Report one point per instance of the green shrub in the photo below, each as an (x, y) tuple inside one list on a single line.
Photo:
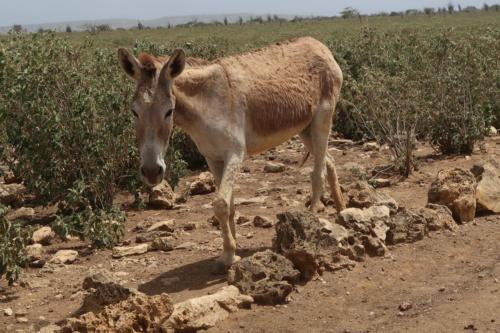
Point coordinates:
[(67, 116), (463, 90), (440, 86), (13, 240)]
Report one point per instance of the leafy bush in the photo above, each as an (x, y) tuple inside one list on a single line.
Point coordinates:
[(398, 86), (464, 90), (66, 110), (69, 134), (382, 94), (13, 241)]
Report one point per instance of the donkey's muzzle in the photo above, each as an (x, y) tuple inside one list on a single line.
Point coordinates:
[(152, 174)]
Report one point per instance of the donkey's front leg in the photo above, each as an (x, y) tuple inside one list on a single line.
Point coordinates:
[(223, 210)]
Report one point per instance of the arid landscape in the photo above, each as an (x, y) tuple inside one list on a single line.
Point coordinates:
[(446, 282), (111, 221)]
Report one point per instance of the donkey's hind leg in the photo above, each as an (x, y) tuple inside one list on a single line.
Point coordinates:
[(315, 138), (333, 180)]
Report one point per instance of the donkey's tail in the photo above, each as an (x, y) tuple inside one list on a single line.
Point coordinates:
[(304, 159)]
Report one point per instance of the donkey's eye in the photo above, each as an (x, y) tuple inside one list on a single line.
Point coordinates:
[(169, 113), (134, 113)]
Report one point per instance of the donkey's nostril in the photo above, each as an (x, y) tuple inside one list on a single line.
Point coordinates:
[(160, 170)]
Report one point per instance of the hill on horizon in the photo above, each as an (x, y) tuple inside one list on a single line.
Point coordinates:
[(130, 23)]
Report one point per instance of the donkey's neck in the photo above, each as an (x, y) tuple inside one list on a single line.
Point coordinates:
[(191, 90)]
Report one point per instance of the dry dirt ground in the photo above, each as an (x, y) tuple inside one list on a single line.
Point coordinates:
[(451, 279)]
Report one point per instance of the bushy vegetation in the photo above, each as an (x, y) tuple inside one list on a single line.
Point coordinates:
[(436, 86), (67, 131), (13, 241)]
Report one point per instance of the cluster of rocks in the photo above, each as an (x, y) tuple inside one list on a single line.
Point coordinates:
[(36, 252), (305, 245), (163, 197), (111, 307)]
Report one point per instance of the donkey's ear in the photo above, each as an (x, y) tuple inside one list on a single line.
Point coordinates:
[(174, 66), (129, 63)]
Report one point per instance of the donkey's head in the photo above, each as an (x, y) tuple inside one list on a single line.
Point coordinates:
[(153, 107)]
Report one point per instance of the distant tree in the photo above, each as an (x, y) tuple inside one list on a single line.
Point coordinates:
[(68, 29), (470, 9), (94, 29), (429, 11), (240, 20), (169, 25), (17, 28), (349, 12), (225, 21), (412, 12), (486, 7), (276, 18), (451, 8), (495, 7), (459, 8), (258, 19), (269, 18), (140, 26)]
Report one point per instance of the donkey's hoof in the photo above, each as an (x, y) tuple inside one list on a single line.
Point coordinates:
[(223, 263)]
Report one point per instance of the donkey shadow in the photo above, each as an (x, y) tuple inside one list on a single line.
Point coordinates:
[(193, 276)]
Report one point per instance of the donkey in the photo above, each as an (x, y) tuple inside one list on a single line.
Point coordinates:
[(237, 106)]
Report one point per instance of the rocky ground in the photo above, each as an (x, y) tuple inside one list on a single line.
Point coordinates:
[(445, 280)]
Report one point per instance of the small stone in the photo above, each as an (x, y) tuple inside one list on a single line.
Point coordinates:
[(51, 328), (266, 276), (381, 182), (456, 189), (272, 167), (405, 306), (204, 184), (250, 201), (213, 221), (262, 222), (8, 312), (44, 235), (242, 219), (493, 131), (206, 311), (162, 244), (151, 236), (37, 263), (185, 246), (34, 252), (21, 313), (22, 320), (162, 226), (371, 146), (64, 257), (162, 196), (190, 226), (125, 251), (23, 213)]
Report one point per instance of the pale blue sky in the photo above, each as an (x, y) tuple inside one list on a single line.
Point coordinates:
[(44, 11)]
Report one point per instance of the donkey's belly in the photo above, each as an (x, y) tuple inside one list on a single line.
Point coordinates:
[(257, 143)]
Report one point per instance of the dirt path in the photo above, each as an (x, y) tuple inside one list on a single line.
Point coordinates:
[(451, 279)]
